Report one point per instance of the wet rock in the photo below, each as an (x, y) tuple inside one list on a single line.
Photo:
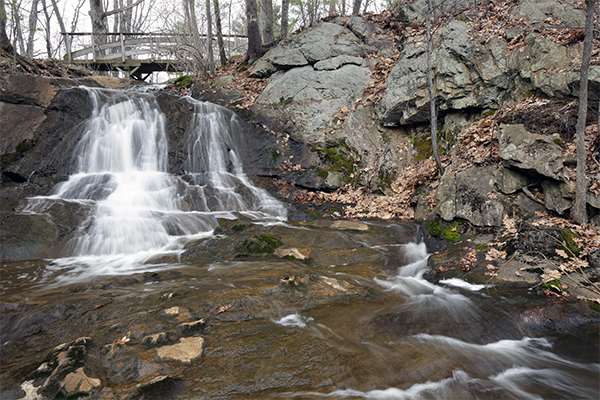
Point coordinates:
[(160, 339), (514, 272), (185, 351), (79, 383), (191, 328), (535, 318), (530, 152), (287, 251), (158, 388)]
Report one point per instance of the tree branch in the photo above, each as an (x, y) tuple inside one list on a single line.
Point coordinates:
[(119, 10)]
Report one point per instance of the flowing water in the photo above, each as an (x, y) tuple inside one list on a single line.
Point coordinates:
[(416, 340)]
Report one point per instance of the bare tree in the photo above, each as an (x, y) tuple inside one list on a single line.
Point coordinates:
[(254, 42), (266, 21), (211, 58), (47, 29), (431, 89), (222, 55), (33, 18), (579, 211), (4, 41), (99, 18), (356, 7), (331, 7), (190, 18), (285, 10)]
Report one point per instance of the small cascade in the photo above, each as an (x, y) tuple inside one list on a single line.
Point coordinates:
[(140, 210)]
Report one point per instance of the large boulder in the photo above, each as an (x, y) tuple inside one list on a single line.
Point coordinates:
[(312, 98), (470, 195), (530, 152), (320, 42)]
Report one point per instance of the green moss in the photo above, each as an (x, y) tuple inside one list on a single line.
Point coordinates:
[(450, 233), (434, 228), (594, 306), (481, 246), (322, 173), (316, 214), (275, 156), (183, 81), (240, 227), (260, 244), (569, 244), (423, 146), (489, 113), (338, 159), (552, 285), (559, 142), (385, 179)]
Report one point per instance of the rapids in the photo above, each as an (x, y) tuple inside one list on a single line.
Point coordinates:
[(355, 319)]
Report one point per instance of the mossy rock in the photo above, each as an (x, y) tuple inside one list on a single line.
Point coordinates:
[(450, 233), (570, 247), (259, 245), (184, 81), (433, 227)]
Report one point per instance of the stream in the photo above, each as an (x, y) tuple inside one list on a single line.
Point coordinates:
[(290, 309)]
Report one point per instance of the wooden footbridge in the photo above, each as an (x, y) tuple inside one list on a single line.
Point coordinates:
[(137, 55)]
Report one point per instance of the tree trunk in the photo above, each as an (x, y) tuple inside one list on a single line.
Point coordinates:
[(343, 8), (33, 18), (190, 17), (285, 10), (58, 16), (222, 55), (254, 42), (331, 7), (266, 21), (211, 57), (47, 38), (4, 41), (431, 89), (356, 7), (99, 28), (579, 210)]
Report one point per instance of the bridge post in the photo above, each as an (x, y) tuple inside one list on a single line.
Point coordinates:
[(68, 46), (122, 48), (93, 48)]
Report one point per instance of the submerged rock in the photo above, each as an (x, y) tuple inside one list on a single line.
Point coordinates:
[(185, 350)]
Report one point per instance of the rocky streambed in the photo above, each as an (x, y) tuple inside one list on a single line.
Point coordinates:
[(288, 310)]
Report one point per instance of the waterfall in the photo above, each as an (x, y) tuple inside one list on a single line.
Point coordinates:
[(140, 209)]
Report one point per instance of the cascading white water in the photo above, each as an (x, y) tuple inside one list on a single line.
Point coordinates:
[(140, 209)]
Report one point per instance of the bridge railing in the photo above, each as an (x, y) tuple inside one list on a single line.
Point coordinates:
[(120, 46)]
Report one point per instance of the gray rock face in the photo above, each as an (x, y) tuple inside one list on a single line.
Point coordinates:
[(540, 11), (466, 195), (556, 196), (416, 13), (322, 41), (530, 152), (262, 69), (470, 74), (316, 96)]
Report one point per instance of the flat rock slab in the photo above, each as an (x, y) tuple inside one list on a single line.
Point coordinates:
[(79, 382), (185, 351)]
